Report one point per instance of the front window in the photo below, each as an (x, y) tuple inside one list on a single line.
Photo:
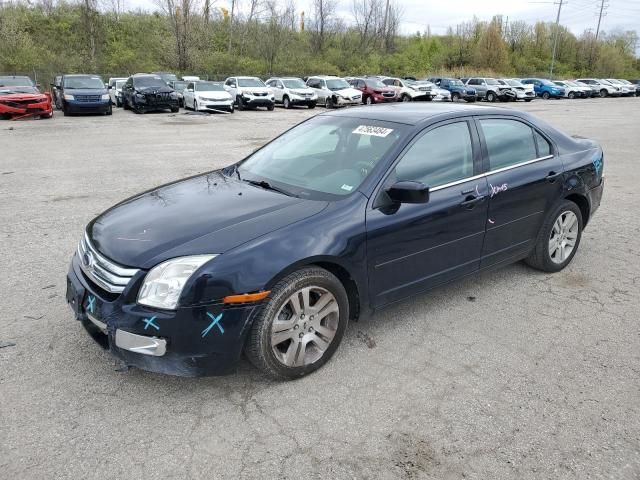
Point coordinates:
[(15, 81), (119, 84), (209, 87), (85, 82), (7, 90), (373, 83), (337, 84), (179, 86), (250, 82), (294, 83), (492, 81), (323, 158), (149, 81), (455, 83), (514, 83)]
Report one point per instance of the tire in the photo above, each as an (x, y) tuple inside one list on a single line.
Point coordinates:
[(271, 107), (175, 109), (406, 97), (239, 102), (109, 110), (540, 257), (65, 111), (328, 103), (47, 115), (571, 95), (528, 99), (231, 108), (195, 105), (545, 95), (311, 106), (125, 104), (369, 100), (118, 103), (286, 103), (491, 97), (455, 97), (282, 360), (604, 93)]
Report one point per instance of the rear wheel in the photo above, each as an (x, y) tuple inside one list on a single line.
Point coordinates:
[(558, 239), (300, 325), (175, 109)]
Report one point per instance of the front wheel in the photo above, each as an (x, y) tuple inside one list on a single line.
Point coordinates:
[(286, 103), (175, 109), (455, 97), (546, 95), (369, 100), (271, 107), (406, 97), (300, 325), (558, 239), (109, 110), (572, 95), (311, 106), (239, 102), (491, 97), (604, 92), (329, 103)]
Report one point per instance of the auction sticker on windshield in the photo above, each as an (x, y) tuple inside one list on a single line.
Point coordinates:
[(371, 130)]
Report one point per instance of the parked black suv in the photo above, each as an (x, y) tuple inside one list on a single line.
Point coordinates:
[(144, 92)]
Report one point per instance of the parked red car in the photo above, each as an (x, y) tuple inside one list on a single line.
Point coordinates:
[(20, 101), (373, 90)]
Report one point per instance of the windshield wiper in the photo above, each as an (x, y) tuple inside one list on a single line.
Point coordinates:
[(267, 186)]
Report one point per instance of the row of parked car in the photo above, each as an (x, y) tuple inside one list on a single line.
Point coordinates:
[(144, 92)]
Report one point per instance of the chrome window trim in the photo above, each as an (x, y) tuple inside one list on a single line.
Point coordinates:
[(490, 172)]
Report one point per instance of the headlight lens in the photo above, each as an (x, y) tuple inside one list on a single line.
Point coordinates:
[(164, 283), (68, 97), (105, 96)]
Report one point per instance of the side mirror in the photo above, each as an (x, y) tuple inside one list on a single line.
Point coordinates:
[(408, 192)]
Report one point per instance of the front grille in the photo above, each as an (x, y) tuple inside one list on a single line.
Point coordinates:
[(356, 97), (88, 98), (106, 274), (158, 98), (388, 94), (259, 94)]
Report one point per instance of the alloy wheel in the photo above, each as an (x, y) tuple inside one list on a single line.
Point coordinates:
[(564, 235), (305, 326)]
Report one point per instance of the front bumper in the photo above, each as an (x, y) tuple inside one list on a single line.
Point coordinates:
[(190, 341), (251, 101), (383, 99), (341, 101), (74, 106), (215, 104), (296, 100), (25, 109)]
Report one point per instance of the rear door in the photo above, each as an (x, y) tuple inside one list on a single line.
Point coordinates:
[(524, 175), (414, 247)]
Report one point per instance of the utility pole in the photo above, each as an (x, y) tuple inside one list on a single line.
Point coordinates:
[(555, 41), (599, 19)]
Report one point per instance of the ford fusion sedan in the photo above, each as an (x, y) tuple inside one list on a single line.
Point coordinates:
[(341, 215), (334, 92), (207, 96), (292, 91), (249, 92), (145, 92)]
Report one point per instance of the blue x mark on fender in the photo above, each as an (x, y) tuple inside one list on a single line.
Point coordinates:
[(214, 321), (91, 303), (149, 321)]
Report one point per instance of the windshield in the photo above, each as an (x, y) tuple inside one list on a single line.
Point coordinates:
[(337, 84), (323, 158), (119, 84), (18, 89), (375, 83), (209, 87), (410, 82), (149, 81), (87, 82), (15, 81), (603, 81), (455, 83), (166, 77), (492, 81), (179, 86), (514, 83), (250, 82), (294, 83)]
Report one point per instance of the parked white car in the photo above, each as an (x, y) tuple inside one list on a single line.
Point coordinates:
[(408, 90), (190, 78), (115, 90), (573, 90), (291, 91), (437, 94), (625, 90), (207, 96), (249, 92), (523, 92), (334, 91), (604, 87)]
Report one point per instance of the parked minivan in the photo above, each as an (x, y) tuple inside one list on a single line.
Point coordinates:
[(82, 93)]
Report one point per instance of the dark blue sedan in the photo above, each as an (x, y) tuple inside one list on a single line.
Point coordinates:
[(339, 216)]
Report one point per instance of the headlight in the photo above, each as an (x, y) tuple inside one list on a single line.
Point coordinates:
[(164, 283), (68, 97), (105, 96), (173, 95)]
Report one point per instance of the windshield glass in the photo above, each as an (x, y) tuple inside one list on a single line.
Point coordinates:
[(88, 82), (149, 81), (250, 82), (294, 83), (209, 87), (337, 84), (410, 82), (179, 86), (323, 158), (18, 89), (492, 81), (119, 84), (166, 77), (514, 83), (375, 83), (455, 83), (15, 81)]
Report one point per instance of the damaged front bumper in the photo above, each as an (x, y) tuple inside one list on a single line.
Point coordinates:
[(190, 341)]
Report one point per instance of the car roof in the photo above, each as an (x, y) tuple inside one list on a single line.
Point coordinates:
[(415, 113), (324, 77)]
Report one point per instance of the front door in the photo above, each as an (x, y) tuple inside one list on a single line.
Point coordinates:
[(413, 247), (524, 174)]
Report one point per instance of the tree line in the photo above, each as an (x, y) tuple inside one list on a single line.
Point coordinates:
[(265, 37)]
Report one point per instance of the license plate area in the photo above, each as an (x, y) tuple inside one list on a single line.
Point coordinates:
[(75, 297)]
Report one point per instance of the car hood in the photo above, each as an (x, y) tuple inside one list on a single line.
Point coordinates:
[(301, 91), (85, 91), (253, 90), (208, 213), (158, 89), (216, 94), (23, 97), (348, 92)]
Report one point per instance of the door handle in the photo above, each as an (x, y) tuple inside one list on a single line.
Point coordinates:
[(551, 177), (471, 201)]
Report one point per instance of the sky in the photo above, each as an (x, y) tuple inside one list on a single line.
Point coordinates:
[(577, 15)]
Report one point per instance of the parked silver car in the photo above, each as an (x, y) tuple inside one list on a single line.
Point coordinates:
[(490, 89), (333, 91)]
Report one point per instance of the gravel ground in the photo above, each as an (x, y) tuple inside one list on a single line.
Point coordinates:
[(510, 374)]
